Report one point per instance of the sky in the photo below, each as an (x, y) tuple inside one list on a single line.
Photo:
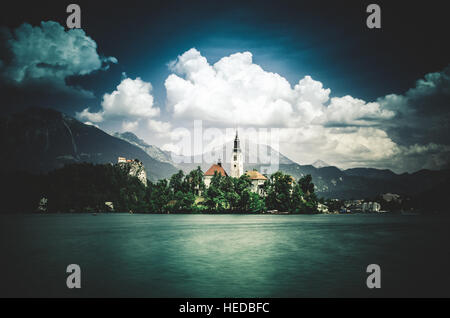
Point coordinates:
[(336, 90)]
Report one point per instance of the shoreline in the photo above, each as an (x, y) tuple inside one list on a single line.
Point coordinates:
[(396, 213)]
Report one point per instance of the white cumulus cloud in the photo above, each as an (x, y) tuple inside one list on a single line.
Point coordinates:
[(234, 90), (351, 111), (159, 127), (345, 131), (130, 125), (85, 114), (132, 100), (237, 91)]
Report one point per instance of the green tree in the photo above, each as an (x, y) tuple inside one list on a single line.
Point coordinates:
[(195, 181), (306, 184), (159, 196), (304, 200), (278, 189), (183, 202), (177, 182), (215, 197)]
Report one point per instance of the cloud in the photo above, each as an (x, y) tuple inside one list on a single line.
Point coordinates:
[(350, 111), (345, 131), (236, 91), (49, 54), (420, 108), (87, 115), (341, 146), (159, 127), (132, 100), (91, 124), (171, 148), (130, 125)]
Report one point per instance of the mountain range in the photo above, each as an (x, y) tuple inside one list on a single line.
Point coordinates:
[(153, 151), (320, 164), (39, 140)]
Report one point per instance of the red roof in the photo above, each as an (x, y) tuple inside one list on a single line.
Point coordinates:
[(215, 168)]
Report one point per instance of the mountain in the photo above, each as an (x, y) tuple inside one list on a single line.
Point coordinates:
[(39, 140), (330, 181), (356, 183), (320, 164), (152, 151), (371, 172)]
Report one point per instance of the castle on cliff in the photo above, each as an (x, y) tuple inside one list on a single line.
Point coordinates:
[(134, 168)]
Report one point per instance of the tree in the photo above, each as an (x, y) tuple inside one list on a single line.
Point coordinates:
[(159, 196), (86, 187), (183, 202), (278, 188), (304, 200), (215, 197), (176, 182), (284, 194), (195, 182), (306, 184), (251, 202)]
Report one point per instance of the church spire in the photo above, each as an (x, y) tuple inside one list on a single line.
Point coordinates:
[(237, 142), (237, 167)]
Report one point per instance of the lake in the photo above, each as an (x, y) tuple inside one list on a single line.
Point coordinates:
[(132, 255)]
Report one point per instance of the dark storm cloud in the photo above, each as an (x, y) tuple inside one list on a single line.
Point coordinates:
[(49, 54), (423, 112)]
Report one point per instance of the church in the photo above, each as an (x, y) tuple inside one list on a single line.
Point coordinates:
[(236, 169)]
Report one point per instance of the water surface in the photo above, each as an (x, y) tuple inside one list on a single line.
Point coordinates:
[(224, 255)]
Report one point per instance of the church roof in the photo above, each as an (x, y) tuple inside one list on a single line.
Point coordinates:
[(215, 168), (255, 175)]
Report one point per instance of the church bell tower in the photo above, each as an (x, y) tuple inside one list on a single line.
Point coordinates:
[(237, 165)]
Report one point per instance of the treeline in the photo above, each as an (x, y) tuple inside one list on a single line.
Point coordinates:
[(87, 187), (74, 188)]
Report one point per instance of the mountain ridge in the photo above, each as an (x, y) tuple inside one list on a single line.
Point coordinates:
[(39, 140), (331, 181), (152, 150)]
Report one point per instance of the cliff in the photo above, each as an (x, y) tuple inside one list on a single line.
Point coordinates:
[(134, 168)]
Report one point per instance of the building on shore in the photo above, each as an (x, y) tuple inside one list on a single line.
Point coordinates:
[(257, 180), (371, 207), (209, 174)]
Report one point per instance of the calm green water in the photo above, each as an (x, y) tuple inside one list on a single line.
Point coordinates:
[(224, 255)]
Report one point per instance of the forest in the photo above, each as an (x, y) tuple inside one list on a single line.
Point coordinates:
[(87, 187)]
